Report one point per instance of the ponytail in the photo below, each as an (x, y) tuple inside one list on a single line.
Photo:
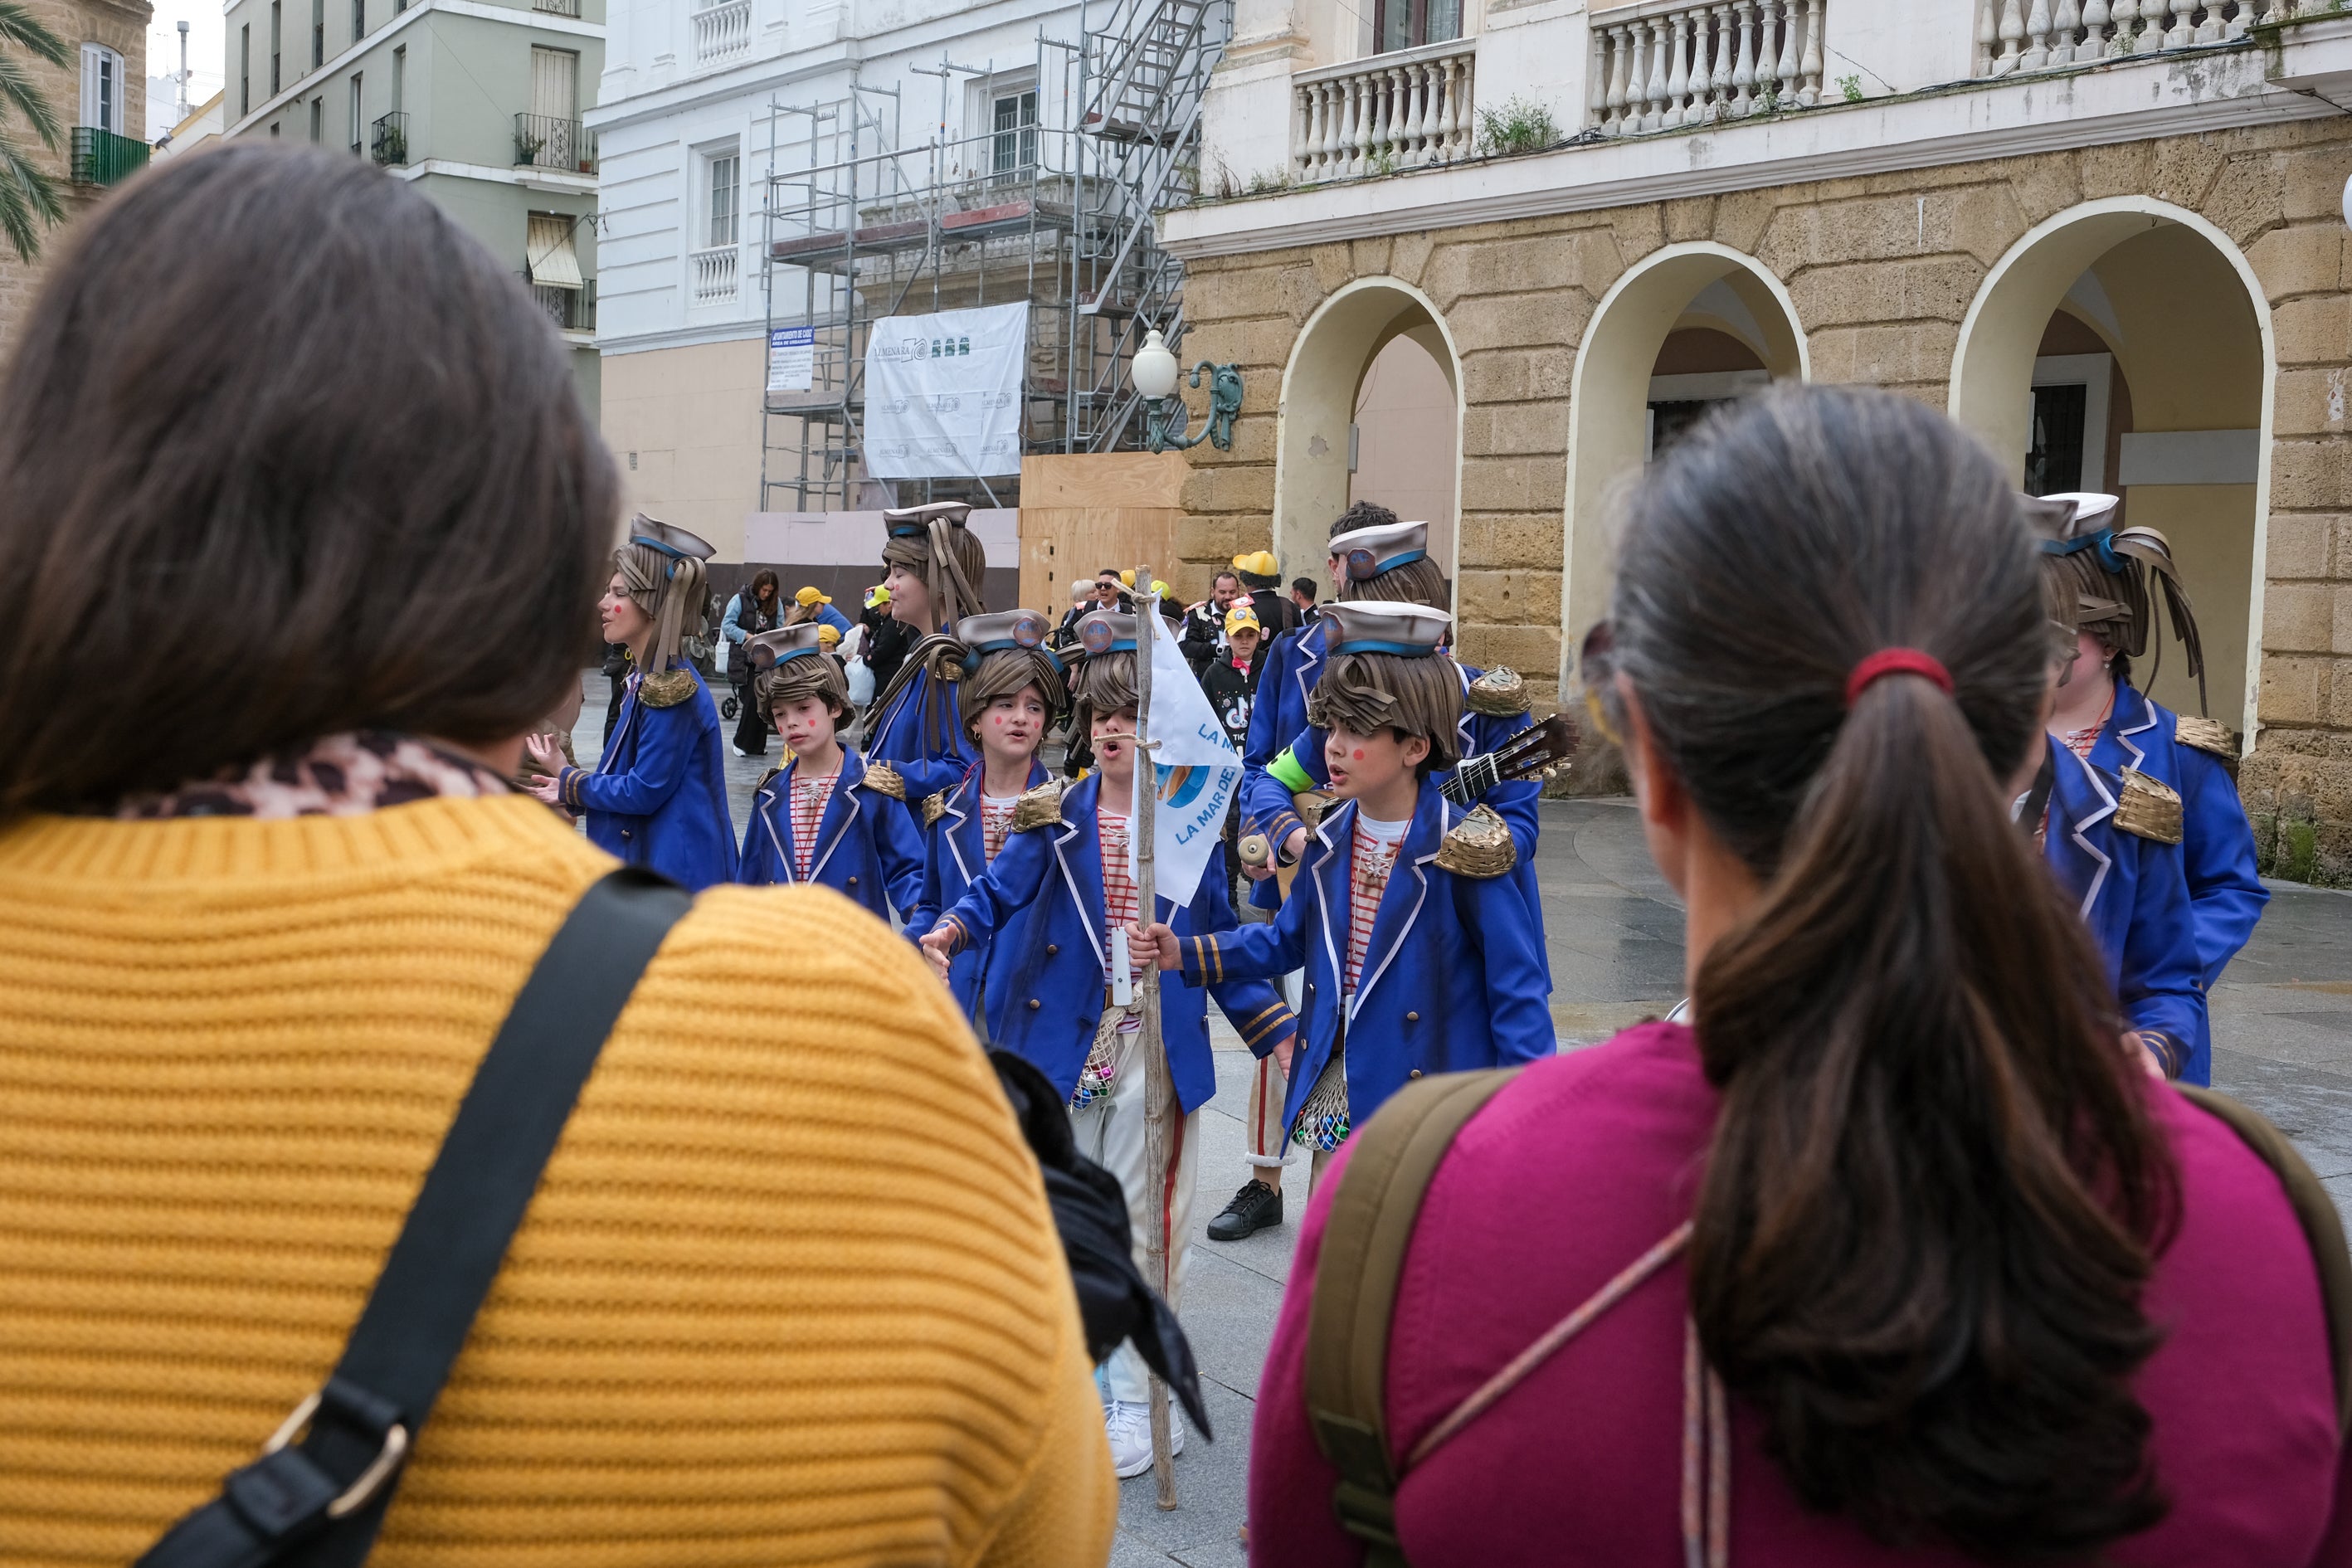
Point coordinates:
[(1934, 1193)]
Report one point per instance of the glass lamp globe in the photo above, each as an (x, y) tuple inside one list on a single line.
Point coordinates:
[(1153, 371)]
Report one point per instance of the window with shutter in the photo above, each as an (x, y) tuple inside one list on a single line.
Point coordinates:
[(102, 88)]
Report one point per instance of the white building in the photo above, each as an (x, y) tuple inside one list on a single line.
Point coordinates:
[(960, 125)]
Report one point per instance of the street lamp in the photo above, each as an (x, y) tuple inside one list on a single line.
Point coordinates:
[(1153, 373)]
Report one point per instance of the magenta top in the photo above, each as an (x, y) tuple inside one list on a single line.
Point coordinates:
[(1586, 1160)]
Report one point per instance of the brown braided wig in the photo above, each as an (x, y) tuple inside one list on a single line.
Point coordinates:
[(1104, 683), (1369, 692), (808, 675), (952, 564), (1006, 674)]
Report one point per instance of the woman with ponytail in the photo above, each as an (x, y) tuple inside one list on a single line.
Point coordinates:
[(1894, 1253)]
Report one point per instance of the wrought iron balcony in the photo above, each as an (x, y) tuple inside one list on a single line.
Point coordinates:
[(102, 158), (390, 142), (557, 8), (543, 142), (572, 310)]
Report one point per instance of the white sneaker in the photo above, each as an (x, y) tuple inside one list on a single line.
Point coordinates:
[(1127, 1425), (740, 751)]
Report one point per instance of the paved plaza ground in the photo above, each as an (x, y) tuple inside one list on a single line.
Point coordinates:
[(2283, 1024)]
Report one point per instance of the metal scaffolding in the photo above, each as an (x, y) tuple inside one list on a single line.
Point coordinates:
[(1056, 212)]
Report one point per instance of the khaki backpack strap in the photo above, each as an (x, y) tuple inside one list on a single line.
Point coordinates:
[(2323, 1227), (1371, 1221)]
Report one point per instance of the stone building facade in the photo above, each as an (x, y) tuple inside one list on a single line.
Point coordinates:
[(120, 27), (2197, 262)]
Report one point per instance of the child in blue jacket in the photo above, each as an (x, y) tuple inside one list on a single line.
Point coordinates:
[(1052, 996), (1011, 691), (1421, 952), (658, 797), (828, 817)]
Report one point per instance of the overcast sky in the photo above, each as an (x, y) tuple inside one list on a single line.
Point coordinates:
[(205, 50)]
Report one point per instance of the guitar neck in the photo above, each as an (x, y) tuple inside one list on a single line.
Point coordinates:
[(1474, 778)]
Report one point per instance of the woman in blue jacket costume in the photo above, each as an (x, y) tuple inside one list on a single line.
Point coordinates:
[(1055, 1007), (1010, 691), (658, 797), (2107, 579), (864, 848), (1454, 975), (936, 568), (1375, 559)]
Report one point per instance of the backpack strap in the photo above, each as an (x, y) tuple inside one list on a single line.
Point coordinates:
[(2323, 1227), (1371, 1223), (317, 1493)]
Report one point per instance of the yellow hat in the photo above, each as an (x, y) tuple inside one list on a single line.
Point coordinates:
[(1242, 616), (1127, 577), (826, 636), (878, 597), (1259, 563), (811, 597), (1160, 588)]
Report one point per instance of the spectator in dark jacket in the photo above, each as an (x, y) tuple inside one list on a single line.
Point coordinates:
[(1203, 634), (1302, 599), (1231, 679), (888, 641), (1261, 576)]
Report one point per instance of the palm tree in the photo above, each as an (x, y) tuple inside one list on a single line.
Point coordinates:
[(29, 199)]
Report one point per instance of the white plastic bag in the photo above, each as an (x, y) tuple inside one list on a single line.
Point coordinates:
[(861, 682)]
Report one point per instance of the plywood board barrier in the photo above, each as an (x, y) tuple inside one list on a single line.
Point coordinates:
[(1081, 513)]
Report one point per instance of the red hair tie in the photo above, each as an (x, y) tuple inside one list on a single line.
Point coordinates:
[(1897, 661)]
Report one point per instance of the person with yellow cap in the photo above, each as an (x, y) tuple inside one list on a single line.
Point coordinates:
[(1262, 581), (818, 607)]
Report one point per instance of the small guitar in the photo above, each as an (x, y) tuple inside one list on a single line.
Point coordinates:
[(1537, 751)]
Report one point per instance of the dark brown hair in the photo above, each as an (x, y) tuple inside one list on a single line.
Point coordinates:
[(304, 459), (1934, 1191), (1007, 673), (1365, 692), (1103, 683)]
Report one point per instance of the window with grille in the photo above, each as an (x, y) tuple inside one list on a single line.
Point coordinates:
[(725, 200), (1014, 124)]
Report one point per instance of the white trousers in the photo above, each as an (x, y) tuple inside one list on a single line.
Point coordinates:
[(1110, 1131), (1268, 1135)]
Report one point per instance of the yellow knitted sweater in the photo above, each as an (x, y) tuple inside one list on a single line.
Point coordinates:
[(789, 1292)]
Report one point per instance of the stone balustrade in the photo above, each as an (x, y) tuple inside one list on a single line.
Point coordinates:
[(1671, 63), (2015, 36), (1404, 110), (715, 272), (722, 33)]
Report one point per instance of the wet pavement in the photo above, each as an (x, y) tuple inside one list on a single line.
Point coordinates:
[(2283, 1026)]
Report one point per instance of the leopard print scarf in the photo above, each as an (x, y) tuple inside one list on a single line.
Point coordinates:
[(338, 775)]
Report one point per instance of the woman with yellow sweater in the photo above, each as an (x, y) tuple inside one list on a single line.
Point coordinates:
[(260, 923)]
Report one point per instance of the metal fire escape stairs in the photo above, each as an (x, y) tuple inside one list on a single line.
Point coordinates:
[(1146, 77)]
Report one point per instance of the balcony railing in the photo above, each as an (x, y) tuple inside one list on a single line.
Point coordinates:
[(543, 142), (573, 309), (715, 272), (388, 145), (102, 158), (1671, 63), (1404, 110), (557, 8), (722, 33), (2015, 36)]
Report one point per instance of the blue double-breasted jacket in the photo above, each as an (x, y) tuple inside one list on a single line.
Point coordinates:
[(2133, 895), (658, 797), (1455, 976), (2217, 844), (1292, 670), (897, 735), (867, 848), (955, 853), (1052, 993)]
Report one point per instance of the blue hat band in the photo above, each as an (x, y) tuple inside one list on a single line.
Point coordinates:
[(797, 653), (1126, 645), (669, 549), (1409, 650), (910, 530), (1363, 565), (2103, 541), (981, 650)]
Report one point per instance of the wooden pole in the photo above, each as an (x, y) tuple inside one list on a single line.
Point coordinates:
[(1158, 1089)]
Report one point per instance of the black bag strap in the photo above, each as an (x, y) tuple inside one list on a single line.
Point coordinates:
[(317, 1493), (1392, 1160), (2314, 1211)]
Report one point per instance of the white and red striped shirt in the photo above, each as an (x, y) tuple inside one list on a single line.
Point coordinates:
[(1373, 856), (810, 796), (1119, 902), (995, 822)]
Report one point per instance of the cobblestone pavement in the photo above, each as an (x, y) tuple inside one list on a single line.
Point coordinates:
[(2283, 1018)]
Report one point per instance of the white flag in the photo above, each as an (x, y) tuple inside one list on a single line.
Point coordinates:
[(1195, 764)]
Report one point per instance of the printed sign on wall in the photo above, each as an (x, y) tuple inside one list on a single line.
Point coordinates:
[(792, 358), (943, 394)]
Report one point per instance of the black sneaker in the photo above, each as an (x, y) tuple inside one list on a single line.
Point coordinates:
[(1255, 1208)]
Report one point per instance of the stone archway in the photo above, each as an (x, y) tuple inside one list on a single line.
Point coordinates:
[(1319, 391), (1696, 290), (2187, 418)]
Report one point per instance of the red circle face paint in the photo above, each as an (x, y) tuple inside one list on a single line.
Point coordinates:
[(1360, 753)]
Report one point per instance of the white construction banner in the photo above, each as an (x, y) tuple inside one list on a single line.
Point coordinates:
[(943, 394), (1197, 770)]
